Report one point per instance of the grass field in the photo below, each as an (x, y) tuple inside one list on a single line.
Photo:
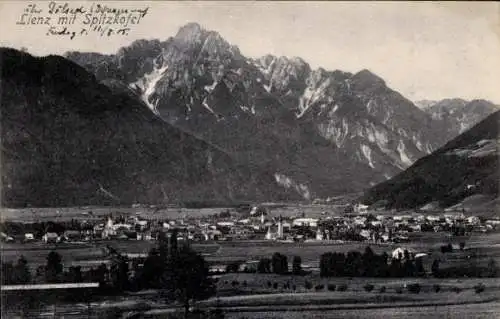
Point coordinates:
[(252, 297), (479, 248), (461, 311), (81, 213)]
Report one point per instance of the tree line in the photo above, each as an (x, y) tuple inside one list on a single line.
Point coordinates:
[(370, 264), (180, 273)]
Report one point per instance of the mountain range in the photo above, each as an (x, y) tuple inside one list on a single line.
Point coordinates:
[(69, 140), (464, 170), (458, 115), (191, 118), (321, 132)]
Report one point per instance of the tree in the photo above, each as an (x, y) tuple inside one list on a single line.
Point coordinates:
[(233, 267), (119, 275), (492, 268), (7, 273), (280, 263), (22, 273), (353, 264), (54, 267), (264, 266), (186, 278), (447, 248), (435, 268), (75, 274), (419, 266), (297, 265), (99, 274), (409, 267), (396, 268), (153, 268), (335, 264), (368, 262)]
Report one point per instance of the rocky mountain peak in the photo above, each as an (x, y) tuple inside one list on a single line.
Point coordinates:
[(366, 79), (198, 81), (190, 32)]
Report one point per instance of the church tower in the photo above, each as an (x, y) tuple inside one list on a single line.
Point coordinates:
[(280, 227)]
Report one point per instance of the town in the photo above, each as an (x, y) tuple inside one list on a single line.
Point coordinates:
[(256, 223), (121, 251)]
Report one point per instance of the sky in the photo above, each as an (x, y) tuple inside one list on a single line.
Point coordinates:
[(425, 50)]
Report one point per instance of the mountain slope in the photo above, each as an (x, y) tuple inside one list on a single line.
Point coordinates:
[(465, 166), (325, 132), (69, 140), (458, 115)]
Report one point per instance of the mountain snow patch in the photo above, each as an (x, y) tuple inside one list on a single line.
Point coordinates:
[(335, 108), (402, 153), (147, 85), (248, 109), (205, 104), (312, 95), (482, 148), (288, 183), (367, 152), (210, 88)]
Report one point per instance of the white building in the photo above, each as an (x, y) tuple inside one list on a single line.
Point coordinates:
[(396, 253), (473, 220), (365, 233), (312, 222), (225, 224), (280, 228), (360, 208), (319, 234), (29, 237), (109, 229), (50, 237), (269, 234)]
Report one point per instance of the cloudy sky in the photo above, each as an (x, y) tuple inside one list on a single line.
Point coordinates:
[(424, 50)]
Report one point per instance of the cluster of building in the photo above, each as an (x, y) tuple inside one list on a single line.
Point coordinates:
[(260, 225), (364, 226)]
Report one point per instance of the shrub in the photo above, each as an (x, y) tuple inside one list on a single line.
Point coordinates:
[(368, 287), (235, 283), (296, 265), (399, 290), (233, 267), (436, 288), (446, 248), (249, 270), (269, 284), (319, 287), (308, 284), (331, 287), (479, 288), (382, 289), (342, 287), (414, 288), (275, 285), (456, 289)]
